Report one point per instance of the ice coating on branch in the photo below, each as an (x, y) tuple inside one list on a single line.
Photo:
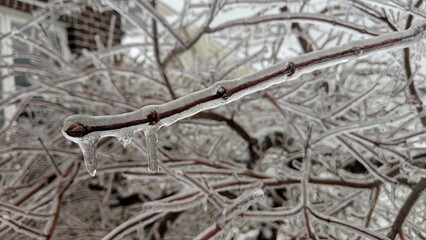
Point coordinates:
[(174, 206), (75, 128), (88, 147), (233, 234), (205, 205), (414, 173), (239, 206), (126, 138), (151, 145)]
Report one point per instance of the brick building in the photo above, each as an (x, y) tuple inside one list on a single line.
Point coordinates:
[(80, 27), (74, 29)]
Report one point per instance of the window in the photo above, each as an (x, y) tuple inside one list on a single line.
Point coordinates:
[(20, 51)]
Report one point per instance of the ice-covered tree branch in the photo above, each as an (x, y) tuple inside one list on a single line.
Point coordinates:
[(86, 130), (417, 192)]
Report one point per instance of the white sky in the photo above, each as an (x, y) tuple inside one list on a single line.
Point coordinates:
[(239, 12)]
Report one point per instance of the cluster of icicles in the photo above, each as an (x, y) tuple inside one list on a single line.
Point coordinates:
[(88, 142), (86, 131)]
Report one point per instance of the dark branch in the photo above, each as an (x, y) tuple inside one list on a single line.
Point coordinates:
[(405, 209)]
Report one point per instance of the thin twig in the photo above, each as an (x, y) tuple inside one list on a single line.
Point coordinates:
[(50, 157), (417, 191), (157, 54)]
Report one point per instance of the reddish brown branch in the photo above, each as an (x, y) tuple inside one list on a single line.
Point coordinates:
[(408, 71), (267, 77), (157, 54), (231, 123), (418, 190), (294, 17), (50, 157)]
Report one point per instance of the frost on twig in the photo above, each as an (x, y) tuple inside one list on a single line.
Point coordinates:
[(239, 206), (87, 130)]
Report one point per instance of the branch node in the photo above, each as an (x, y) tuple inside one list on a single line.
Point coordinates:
[(290, 68), (153, 117), (222, 93), (356, 50), (77, 130)]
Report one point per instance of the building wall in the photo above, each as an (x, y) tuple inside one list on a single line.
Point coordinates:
[(83, 26)]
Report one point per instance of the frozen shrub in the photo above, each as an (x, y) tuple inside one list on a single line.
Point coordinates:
[(217, 119)]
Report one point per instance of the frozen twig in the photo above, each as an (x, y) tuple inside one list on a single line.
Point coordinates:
[(155, 39), (139, 220), (296, 17), (22, 228), (417, 192), (178, 50), (116, 6), (364, 232), (50, 157), (151, 9), (87, 130)]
